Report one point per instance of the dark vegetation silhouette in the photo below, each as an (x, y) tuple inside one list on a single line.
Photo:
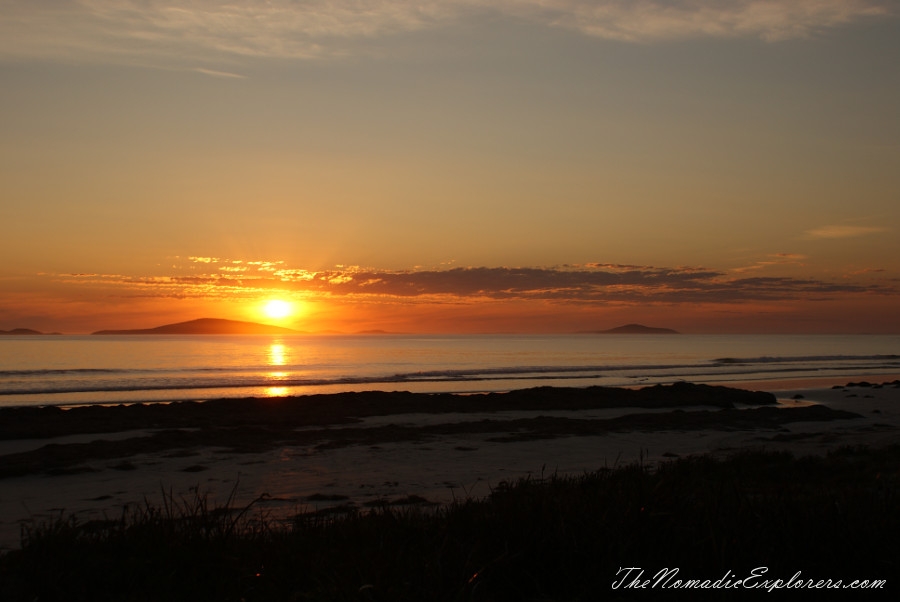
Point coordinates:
[(546, 538)]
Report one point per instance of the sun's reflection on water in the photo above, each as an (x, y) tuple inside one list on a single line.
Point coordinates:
[(278, 356)]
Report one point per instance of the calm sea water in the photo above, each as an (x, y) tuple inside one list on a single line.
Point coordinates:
[(67, 370)]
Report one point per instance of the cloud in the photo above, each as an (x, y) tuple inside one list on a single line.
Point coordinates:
[(777, 259), (204, 29), (217, 31), (843, 231), (650, 20), (589, 285), (214, 73)]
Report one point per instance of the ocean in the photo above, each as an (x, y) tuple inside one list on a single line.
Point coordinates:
[(73, 370)]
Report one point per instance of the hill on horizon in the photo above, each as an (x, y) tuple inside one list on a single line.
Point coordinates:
[(634, 329), (207, 326), (22, 332)]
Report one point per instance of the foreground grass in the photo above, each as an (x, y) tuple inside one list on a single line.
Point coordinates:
[(555, 538)]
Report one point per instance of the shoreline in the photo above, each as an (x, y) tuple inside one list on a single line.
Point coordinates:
[(811, 384), (437, 387), (393, 447)]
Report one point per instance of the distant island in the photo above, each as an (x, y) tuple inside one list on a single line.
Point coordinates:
[(633, 329), (207, 326), (23, 331)]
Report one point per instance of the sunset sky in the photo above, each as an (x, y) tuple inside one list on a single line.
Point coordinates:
[(453, 165)]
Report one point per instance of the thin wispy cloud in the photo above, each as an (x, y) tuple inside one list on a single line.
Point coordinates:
[(214, 73), (843, 231), (219, 31), (774, 260)]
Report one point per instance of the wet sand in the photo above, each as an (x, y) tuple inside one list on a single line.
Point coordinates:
[(352, 451)]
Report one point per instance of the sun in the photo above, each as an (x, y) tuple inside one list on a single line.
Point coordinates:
[(277, 309)]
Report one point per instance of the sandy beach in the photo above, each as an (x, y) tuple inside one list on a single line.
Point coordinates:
[(370, 449)]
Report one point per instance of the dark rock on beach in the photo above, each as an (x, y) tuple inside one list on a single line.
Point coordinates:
[(255, 425), (342, 408)]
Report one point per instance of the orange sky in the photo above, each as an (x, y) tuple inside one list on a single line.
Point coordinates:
[(560, 299), (453, 166)]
